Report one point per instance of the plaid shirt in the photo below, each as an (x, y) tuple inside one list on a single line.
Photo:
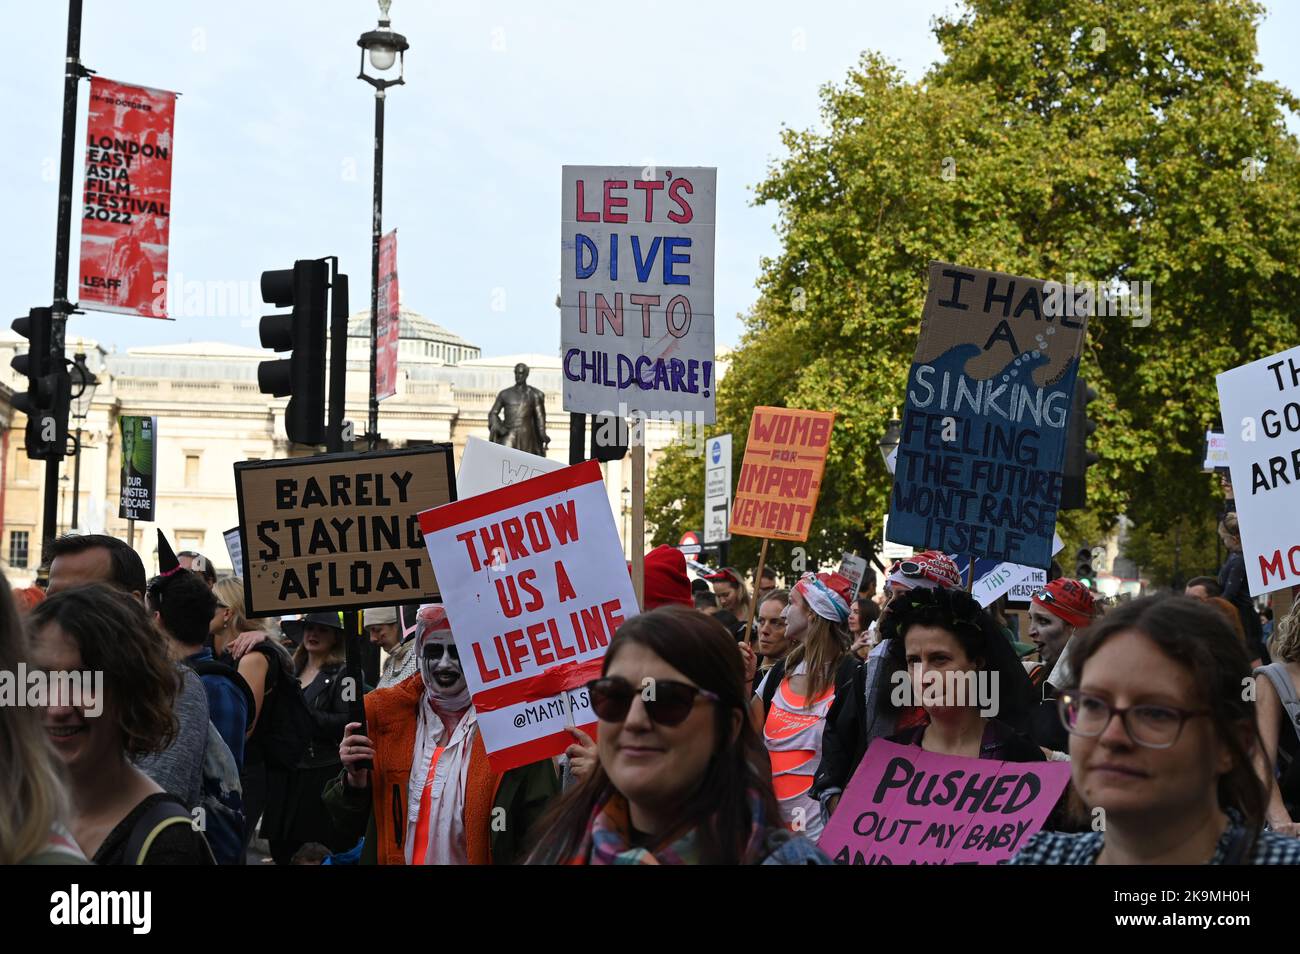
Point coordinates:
[(1061, 848)]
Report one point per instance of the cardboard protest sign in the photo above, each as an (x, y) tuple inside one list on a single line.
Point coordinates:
[(1260, 402), (984, 426), (906, 806), (636, 292), (339, 531), (781, 473), (535, 587), (126, 200), (137, 482), (486, 466)]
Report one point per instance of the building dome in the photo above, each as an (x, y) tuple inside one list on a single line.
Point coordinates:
[(418, 339)]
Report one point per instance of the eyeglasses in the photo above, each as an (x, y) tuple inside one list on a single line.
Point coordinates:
[(1151, 726), (911, 568), (1045, 596), (667, 703)]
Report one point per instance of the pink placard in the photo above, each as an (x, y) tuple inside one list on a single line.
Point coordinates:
[(906, 806)]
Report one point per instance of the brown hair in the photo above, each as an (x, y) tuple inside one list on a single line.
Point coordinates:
[(1230, 616), (337, 655), (1198, 639), (117, 638), (719, 809), (31, 777)]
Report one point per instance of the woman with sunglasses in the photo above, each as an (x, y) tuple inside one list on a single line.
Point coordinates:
[(1056, 612), (1161, 744), (682, 777)]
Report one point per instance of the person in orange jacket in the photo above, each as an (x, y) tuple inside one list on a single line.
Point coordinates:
[(431, 797)]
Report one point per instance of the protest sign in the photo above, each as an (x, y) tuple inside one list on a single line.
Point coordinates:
[(717, 489), (486, 466), (853, 568), (636, 290), (1024, 589), (388, 319), (1216, 451), (139, 467), (906, 806), (235, 547), (126, 199), (535, 587), (339, 531), (781, 472), (988, 398), (1260, 402)]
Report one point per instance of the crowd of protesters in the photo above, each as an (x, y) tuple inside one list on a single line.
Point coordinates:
[(223, 739)]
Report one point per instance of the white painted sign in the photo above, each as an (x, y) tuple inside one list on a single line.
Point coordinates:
[(487, 466), (1216, 450), (636, 290), (1260, 403), (235, 547), (853, 568)]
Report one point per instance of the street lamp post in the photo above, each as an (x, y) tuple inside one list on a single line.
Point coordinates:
[(84, 383), (384, 47)]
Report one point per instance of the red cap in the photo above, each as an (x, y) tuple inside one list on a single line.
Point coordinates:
[(666, 583), (840, 584), (1068, 600), (725, 575)]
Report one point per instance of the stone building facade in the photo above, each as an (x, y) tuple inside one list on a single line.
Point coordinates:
[(211, 415)]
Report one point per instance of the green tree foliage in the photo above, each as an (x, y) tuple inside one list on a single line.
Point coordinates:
[(1109, 141)]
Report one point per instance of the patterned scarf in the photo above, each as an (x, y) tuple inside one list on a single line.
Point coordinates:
[(608, 838)]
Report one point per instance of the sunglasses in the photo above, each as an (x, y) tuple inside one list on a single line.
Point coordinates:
[(667, 703)]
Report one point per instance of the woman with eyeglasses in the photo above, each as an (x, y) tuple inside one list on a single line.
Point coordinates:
[(1161, 744), (682, 778), (947, 657)]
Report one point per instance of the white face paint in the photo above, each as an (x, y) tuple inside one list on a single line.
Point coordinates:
[(444, 681)]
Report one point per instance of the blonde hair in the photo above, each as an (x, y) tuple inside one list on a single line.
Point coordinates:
[(229, 591), (31, 777), (821, 649), (1284, 644)]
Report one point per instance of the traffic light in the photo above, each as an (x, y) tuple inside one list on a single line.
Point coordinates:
[(1074, 483), (301, 377), (1083, 566), (49, 388)]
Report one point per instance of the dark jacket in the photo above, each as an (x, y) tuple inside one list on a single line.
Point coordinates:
[(850, 726), (1232, 580), (329, 714)]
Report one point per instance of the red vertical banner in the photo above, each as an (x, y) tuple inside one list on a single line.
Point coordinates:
[(389, 319), (126, 203)]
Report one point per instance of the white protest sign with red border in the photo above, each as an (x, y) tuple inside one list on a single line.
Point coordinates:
[(535, 586)]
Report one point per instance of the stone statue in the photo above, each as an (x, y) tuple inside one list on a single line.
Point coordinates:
[(518, 416)]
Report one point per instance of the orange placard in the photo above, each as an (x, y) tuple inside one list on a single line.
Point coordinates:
[(781, 473)]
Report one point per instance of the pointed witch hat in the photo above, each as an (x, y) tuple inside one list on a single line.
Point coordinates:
[(168, 562)]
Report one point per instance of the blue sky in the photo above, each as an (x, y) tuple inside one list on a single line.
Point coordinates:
[(273, 137)]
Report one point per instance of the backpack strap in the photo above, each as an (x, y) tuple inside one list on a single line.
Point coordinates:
[(774, 677), (161, 815), (1281, 680)]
